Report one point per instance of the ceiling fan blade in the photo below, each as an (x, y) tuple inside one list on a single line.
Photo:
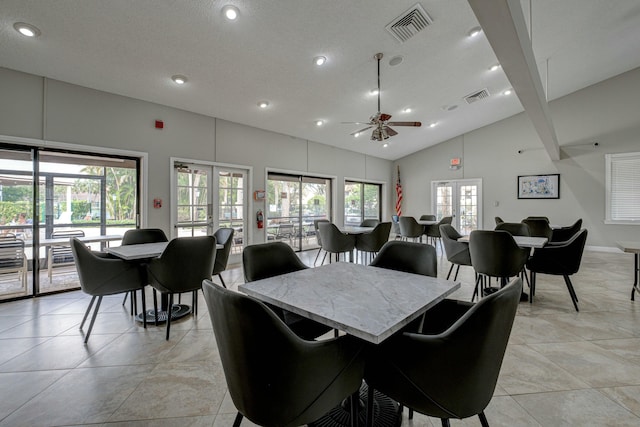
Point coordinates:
[(384, 117), (357, 123), (360, 131), (415, 124), (390, 131)]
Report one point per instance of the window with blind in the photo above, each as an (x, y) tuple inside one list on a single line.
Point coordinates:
[(623, 188)]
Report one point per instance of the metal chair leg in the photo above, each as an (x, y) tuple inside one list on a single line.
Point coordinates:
[(450, 270), (93, 319), (572, 292), (238, 420), (86, 313), (483, 419), (224, 285), (169, 311)]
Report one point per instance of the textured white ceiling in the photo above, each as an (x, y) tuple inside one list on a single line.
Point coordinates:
[(133, 47)]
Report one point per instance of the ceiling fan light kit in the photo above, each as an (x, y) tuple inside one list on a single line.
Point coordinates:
[(380, 121)]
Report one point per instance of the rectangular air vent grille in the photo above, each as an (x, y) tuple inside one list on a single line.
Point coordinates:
[(477, 96), (409, 23)]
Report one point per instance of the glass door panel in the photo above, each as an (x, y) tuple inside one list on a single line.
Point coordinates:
[(232, 206), (460, 199), (194, 216), (316, 204)]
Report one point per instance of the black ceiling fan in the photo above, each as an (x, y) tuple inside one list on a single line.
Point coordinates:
[(380, 121)]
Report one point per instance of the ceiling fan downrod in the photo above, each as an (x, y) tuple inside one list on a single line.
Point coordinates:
[(378, 56)]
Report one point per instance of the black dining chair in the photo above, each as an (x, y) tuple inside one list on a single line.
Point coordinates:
[(514, 228), (410, 229), (410, 257), (433, 231), (274, 259), (274, 377), (182, 267), (538, 227), (101, 275), (450, 369), (562, 234), (224, 237), (369, 222), (498, 220), (371, 243), (427, 217), (318, 237), (335, 241), (560, 260), (495, 254), (457, 252)]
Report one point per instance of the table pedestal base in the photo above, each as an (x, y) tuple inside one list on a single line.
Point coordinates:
[(177, 311), (385, 412)]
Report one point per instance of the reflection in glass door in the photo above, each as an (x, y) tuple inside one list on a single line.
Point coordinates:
[(294, 202), (460, 199)]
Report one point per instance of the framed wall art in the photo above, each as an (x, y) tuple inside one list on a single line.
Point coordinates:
[(539, 186)]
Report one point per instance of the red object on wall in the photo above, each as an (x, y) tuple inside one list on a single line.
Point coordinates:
[(159, 124), (157, 203)]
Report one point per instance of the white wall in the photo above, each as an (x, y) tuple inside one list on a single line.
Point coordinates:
[(39, 108), (607, 112)]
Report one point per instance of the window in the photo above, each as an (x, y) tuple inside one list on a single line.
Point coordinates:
[(623, 188), (361, 201)]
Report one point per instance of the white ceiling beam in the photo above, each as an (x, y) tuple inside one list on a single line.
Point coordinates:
[(503, 24)]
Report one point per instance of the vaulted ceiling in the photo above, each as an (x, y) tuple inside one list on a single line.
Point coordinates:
[(134, 47)]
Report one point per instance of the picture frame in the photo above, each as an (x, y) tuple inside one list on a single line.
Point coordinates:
[(543, 186)]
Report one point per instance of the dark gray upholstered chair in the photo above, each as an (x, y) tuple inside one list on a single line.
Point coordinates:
[(335, 241), (101, 275), (495, 254), (561, 260), (224, 237), (139, 236), (318, 238), (514, 228), (499, 220), (449, 371), (563, 234), (538, 227), (274, 377), (539, 217), (427, 217), (371, 243), (369, 222), (182, 267), (273, 259), (61, 254), (433, 231), (410, 257), (410, 229), (457, 252)]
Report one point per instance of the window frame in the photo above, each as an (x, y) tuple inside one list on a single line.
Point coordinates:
[(610, 165)]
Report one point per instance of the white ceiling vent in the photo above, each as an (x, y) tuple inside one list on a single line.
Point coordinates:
[(477, 96), (409, 23)]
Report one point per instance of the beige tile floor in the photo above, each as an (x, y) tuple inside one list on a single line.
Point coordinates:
[(562, 368)]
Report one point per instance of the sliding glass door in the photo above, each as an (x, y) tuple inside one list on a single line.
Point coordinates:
[(294, 202)]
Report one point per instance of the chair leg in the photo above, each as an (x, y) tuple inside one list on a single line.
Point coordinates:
[(410, 413), (93, 319), (445, 422), (572, 292), (238, 420), (126, 294), (86, 313), (144, 308), (155, 306), (369, 406), (532, 287), (476, 291), (325, 257), (224, 285), (483, 419), (169, 311), (457, 271), (450, 270), (317, 256)]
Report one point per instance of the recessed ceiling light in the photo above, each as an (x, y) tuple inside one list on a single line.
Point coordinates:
[(385, 145), (230, 12), (494, 67), (507, 92), (319, 122), (396, 60), (263, 104), (26, 29), (319, 60), (374, 91), (407, 110), (357, 134), (475, 31), (432, 125), (179, 79)]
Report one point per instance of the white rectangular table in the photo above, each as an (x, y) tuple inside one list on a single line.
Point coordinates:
[(367, 302), (352, 229), (522, 241), (633, 248), (142, 251)]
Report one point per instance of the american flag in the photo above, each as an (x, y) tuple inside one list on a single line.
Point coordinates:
[(399, 195)]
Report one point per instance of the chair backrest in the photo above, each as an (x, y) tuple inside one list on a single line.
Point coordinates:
[(224, 237), (538, 227), (427, 218), (138, 236), (12, 254), (446, 220), (409, 227), (499, 220), (61, 253), (317, 229), (335, 241), (514, 228), (274, 377), (410, 257), (457, 252), (268, 260), (452, 374), (539, 217), (496, 254), (369, 222), (373, 241), (565, 233), (184, 264), (560, 259)]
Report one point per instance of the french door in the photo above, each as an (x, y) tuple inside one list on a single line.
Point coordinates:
[(460, 199)]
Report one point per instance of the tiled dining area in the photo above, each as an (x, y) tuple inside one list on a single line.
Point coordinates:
[(562, 368)]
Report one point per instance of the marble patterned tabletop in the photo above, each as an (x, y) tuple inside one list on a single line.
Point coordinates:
[(367, 302), (142, 251), (629, 247), (522, 241)]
